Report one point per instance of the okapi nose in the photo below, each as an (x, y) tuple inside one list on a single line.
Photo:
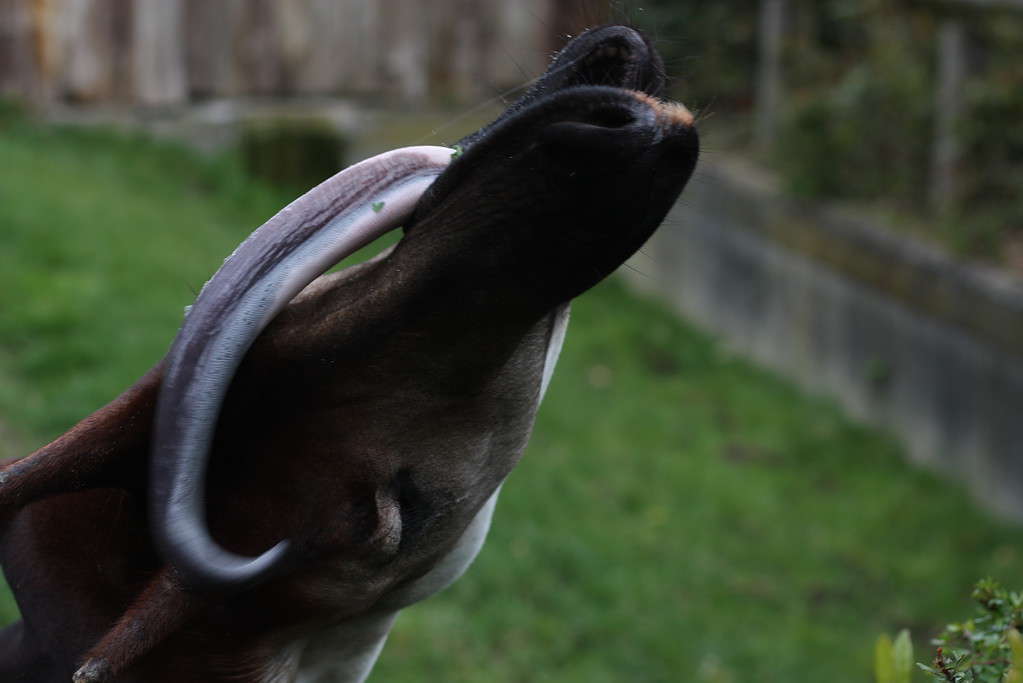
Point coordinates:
[(626, 123), (611, 55)]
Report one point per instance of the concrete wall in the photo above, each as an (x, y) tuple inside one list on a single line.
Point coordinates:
[(903, 337)]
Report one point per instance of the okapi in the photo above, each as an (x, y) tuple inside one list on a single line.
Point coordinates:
[(359, 424)]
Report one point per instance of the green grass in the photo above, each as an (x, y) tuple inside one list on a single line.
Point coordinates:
[(679, 516)]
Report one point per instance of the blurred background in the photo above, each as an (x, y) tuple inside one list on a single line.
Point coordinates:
[(791, 424)]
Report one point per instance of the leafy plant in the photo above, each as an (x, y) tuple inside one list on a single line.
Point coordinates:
[(893, 661), (987, 648), (709, 47), (292, 153)]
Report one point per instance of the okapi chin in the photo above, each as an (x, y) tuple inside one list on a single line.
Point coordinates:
[(316, 453)]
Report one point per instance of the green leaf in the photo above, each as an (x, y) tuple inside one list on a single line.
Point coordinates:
[(902, 657), (884, 669), (378, 207), (1015, 672)]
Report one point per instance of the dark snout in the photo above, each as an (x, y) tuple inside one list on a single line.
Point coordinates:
[(610, 55), (613, 56), (614, 125)]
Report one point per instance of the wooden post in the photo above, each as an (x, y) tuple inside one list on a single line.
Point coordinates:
[(260, 63), (211, 39), (89, 73), (337, 47), (19, 66), (520, 49), (159, 51), (405, 48), (769, 76), (471, 53), (948, 106)]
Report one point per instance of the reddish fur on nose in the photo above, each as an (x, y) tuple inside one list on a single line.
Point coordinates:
[(668, 112)]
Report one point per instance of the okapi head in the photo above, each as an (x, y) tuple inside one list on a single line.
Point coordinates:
[(317, 451), (531, 211)]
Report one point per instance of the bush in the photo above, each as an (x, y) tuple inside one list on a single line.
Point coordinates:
[(861, 126), (292, 153), (986, 648), (859, 92), (992, 205), (708, 47)]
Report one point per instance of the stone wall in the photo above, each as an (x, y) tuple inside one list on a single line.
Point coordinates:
[(166, 52), (902, 336)]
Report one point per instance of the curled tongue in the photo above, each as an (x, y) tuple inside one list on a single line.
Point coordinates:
[(277, 261)]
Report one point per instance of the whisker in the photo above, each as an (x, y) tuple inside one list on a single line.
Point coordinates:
[(638, 271), (511, 58), (458, 118)]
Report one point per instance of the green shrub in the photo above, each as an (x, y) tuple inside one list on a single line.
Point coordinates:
[(859, 123), (986, 648), (708, 48), (859, 92), (992, 205), (292, 153), (11, 111)]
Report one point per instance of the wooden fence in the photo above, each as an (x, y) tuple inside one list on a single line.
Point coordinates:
[(167, 52)]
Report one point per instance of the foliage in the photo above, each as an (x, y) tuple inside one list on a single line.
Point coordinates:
[(292, 153), (842, 137), (992, 204), (862, 91), (986, 648), (859, 92), (11, 111), (893, 662), (708, 48), (863, 97)]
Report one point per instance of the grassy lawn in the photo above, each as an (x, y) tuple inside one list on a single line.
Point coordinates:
[(679, 516)]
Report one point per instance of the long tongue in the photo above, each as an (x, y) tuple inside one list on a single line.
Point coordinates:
[(277, 261)]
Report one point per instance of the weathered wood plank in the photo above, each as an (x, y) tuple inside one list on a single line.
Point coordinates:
[(19, 69), (404, 47), (340, 51), (521, 46), (259, 56), (164, 52), (211, 35), (88, 74), (159, 52)]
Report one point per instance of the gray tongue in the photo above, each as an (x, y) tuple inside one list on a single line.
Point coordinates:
[(264, 273)]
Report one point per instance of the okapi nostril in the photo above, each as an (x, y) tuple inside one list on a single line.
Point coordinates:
[(608, 51), (610, 118)]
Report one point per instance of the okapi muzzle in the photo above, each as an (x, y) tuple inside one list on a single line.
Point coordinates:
[(316, 452)]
